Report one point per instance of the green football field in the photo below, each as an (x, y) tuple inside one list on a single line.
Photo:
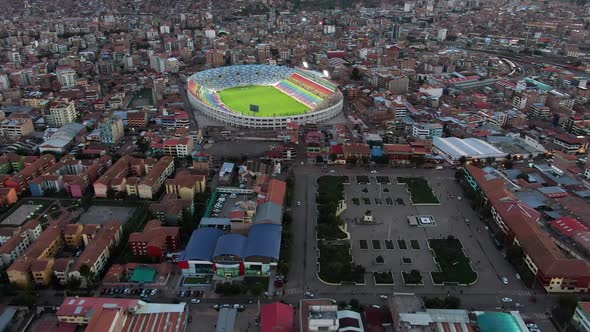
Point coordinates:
[(270, 100)]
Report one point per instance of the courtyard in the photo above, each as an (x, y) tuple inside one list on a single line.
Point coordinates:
[(99, 214), (389, 247)]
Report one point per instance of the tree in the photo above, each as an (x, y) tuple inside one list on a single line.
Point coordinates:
[(87, 274), (74, 283), (563, 312), (356, 75), (462, 160), (379, 259), (508, 164), (490, 160), (418, 160), (319, 159), (333, 157)]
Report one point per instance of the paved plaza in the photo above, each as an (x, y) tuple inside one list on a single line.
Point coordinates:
[(101, 214)]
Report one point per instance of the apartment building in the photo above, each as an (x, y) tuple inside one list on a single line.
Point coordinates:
[(178, 147), (13, 129), (155, 240), (111, 130), (98, 248), (185, 185), (60, 113), (152, 183)]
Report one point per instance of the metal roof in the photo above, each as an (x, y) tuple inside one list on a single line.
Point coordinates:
[(468, 147), (230, 244), (264, 240), (269, 212), (498, 321), (214, 221), (201, 244)]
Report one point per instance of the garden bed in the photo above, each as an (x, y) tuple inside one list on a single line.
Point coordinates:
[(419, 189), (330, 192), (376, 244), (366, 201), (455, 266), (413, 277), (383, 278), (383, 179), (356, 201), (364, 245), (362, 179), (389, 244), (336, 264), (402, 244), (414, 244)]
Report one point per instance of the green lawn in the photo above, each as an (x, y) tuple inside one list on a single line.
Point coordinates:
[(454, 265), (419, 190), (271, 101)]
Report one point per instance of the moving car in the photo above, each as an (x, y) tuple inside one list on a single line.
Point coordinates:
[(195, 301), (382, 297), (309, 294), (507, 300), (505, 280)]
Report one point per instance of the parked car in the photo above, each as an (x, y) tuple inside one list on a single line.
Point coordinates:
[(382, 297), (518, 276), (519, 305), (154, 292), (195, 301), (505, 280), (309, 294), (180, 294), (507, 300)]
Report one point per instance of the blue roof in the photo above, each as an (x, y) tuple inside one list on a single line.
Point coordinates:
[(498, 322), (269, 212), (214, 221), (202, 244), (230, 244), (264, 240), (376, 151)]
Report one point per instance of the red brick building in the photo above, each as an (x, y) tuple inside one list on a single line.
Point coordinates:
[(155, 240)]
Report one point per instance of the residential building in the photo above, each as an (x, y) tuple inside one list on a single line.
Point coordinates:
[(539, 112), (185, 185), (551, 267), (109, 314), (155, 240), (581, 317), (15, 128), (8, 196), (153, 182), (172, 210), (178, 147), (424, 130), (45, 247), (111, 130), (98, 248), (176, 119), (20, 181), (137, 119), (16, 240), (60, 113), (66, 76)]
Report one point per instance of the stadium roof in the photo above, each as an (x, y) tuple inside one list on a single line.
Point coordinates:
[(230, 244), (264, 240), (201, 244), (468, 147)]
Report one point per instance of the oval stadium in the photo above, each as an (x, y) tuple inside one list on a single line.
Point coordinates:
[(264, 96)]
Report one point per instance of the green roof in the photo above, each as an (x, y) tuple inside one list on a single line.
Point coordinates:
[(143, 274), (498, 322)]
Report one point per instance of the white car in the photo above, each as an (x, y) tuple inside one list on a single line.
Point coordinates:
[(332, 171), (518, 276), (506, 300), (308, 294), (195, 301), (505, 280), (382, 297), (519, 305), (154, 292), (298, 203), (373, 172)]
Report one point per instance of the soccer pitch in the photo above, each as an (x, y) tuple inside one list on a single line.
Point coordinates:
[(270, 100)]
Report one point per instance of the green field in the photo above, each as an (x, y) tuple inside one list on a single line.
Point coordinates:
[(270, 100)]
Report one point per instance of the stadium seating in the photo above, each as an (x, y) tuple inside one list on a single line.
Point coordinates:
[(306, 87)]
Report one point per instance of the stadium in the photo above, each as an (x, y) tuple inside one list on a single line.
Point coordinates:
[(264, 96)]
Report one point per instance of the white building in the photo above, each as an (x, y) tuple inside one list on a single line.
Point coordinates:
[(66, 76), (442, 35), (60, 113), (453, 148)]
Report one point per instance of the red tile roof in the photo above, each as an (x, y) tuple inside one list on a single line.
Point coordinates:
[(276, 317), (568, 226)]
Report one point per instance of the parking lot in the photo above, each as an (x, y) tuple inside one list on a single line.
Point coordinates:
[(404, 247)]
